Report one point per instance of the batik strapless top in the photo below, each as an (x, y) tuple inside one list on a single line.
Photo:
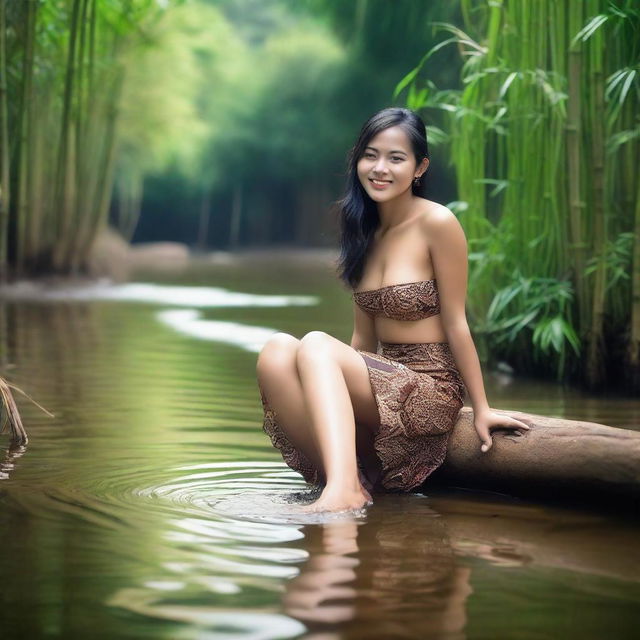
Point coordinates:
[(406, 301)]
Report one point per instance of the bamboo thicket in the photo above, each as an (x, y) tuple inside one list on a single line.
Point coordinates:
[(62, 67), (545, 139)]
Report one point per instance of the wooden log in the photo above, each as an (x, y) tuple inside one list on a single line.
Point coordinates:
[(556, 458)]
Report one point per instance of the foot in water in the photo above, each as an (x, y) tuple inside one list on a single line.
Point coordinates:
[(335, 501)]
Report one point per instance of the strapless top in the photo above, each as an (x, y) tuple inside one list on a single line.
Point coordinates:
[(405, 301)]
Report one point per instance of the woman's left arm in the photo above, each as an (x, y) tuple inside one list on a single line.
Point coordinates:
[(448, 249)]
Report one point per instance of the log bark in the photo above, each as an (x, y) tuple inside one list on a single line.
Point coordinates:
[(562, 459)]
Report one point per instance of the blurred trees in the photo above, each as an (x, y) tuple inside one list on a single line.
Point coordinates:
[(216, 122), (315, 71)]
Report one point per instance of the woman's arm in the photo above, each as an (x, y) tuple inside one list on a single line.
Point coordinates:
[(364, 331), (448, 249)]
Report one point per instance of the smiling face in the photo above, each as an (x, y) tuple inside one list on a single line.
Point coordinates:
[(388, 165)]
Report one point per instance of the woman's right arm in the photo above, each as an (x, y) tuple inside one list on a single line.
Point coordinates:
[(364, 331)]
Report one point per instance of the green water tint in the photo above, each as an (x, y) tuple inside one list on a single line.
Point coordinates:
[(153, 506)]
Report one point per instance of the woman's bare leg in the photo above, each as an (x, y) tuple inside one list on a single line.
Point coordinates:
[(337, 391), (277, 372)]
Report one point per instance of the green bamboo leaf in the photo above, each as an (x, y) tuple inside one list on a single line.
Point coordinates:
[(507, 83), (414, 72), (590, 28), (616, 140), (613, 80), (405, 81), (625, 87)]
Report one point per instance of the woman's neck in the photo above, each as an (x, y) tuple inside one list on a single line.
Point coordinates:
[(396, 211)]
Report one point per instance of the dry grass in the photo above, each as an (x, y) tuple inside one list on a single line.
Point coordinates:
[(10, 415)]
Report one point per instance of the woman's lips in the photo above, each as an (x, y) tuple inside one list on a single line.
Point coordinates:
[(377, 185)]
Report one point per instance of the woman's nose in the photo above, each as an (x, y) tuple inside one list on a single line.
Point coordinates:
[(380, 165)]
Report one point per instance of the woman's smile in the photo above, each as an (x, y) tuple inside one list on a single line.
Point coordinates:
[(379, 184)]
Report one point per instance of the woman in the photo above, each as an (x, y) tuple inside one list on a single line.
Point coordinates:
[(377, 414)]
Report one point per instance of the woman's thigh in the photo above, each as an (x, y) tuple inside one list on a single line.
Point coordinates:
[(318, 344)]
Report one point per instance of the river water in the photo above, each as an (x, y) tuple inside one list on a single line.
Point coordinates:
[(152, 505)]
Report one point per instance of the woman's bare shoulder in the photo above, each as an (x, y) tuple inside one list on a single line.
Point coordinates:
[(437, 217)]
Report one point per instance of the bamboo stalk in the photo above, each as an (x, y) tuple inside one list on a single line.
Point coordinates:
[(24, 189), (64, 179), (595, 347), (4, 145), (573, 136)]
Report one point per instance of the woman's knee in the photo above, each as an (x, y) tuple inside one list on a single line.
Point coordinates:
[(278, 351), (313, 345)]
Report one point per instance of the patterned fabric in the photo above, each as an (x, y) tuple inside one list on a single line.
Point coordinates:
[(406, 301), (419, 393)]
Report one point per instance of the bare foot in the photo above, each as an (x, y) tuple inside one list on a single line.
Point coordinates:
[(339, 501)]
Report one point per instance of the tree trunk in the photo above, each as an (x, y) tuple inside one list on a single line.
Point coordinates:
[(556, 458), (634, 338), (203, 222), (236, 214)]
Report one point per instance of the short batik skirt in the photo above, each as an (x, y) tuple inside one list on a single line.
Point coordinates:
[(419, 393)]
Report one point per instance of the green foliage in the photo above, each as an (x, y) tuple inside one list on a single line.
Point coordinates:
[(533, 314), (544, 157)]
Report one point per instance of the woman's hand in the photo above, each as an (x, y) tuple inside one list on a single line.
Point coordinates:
[(487, 420)]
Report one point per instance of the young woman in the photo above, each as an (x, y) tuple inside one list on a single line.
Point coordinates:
[(377, 414)]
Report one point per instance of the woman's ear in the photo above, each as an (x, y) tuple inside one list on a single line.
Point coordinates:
[(423, 166)]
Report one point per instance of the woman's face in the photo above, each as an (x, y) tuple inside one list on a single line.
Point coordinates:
[(388, 159)]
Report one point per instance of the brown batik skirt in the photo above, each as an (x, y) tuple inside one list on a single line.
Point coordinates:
[(419, 393)]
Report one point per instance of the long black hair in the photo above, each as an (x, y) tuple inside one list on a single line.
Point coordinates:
[(358, 213)]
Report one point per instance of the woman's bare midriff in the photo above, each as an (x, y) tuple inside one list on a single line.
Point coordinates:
[(402, 255), (425, 330)]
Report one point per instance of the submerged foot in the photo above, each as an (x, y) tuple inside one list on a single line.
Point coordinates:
[(340, 501)]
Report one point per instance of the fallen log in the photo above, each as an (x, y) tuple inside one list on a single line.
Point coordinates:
[(556, 458)]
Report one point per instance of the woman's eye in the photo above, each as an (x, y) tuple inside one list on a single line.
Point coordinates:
[(397, 158), (368, 155)]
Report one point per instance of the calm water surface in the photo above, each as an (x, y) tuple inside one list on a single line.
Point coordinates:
[(152, 505)]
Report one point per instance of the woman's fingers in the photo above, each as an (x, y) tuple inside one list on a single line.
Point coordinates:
[(504, 421), (511, 422), (486, 438)]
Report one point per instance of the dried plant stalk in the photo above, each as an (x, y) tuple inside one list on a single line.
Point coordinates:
[(11, 415)]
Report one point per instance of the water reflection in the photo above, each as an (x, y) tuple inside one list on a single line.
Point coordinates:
[(189, 322), (142, 292), (403, 579)]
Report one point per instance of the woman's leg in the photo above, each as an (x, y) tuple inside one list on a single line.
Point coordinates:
[(277, 373), (319, 388), (337, 391)]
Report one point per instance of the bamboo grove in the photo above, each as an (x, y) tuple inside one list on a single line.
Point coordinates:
[(61, 75), (544, 137)]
